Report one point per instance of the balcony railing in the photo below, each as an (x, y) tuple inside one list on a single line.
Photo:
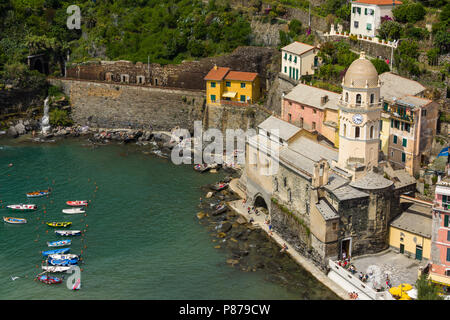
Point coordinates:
[(234, 103)]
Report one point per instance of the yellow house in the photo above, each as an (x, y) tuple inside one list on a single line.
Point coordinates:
[(224, 86), (410, 233), (385, 125)]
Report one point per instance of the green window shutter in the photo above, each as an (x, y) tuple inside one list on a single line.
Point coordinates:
[(285, 56), (446, 220), (444, 199), (448, 254), (392, 123), (213, 97), (242, 98), (403, 157), (405, 141), (242, 84), (285, 69), (365, 11), (213, 84), (395, 139), (448, 235)]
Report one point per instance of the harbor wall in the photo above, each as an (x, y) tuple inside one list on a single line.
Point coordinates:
[(112, 105)]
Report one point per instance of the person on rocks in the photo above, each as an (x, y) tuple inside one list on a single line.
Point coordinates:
[(284, 248)]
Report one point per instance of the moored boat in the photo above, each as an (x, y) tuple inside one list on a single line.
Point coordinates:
[(59, 243), (63, 224), (219, 209), (77, 203), (62, 262), (68, 232), (59, 256), (49, 279), (201, 167), (22, 206), (14, 220), (56, 268), (55, 251), (219, 186), (73, 211), (36, 194)]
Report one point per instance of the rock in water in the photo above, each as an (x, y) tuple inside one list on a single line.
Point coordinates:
[(12, 132), (209, 194), (200, 215), (20, 128)]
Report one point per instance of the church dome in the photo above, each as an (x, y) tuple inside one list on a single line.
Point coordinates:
[(361, 73)]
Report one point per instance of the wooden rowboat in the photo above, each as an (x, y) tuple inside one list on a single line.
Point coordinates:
[(14, 220), (59, 224)]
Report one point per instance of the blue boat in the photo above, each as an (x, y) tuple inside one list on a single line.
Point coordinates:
[(59, 243), (64, 250), (62, 262)]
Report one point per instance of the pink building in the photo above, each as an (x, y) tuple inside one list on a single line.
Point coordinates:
[(313, 109), (440, 247)]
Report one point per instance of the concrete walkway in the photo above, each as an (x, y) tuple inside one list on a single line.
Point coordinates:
[(259, 221)]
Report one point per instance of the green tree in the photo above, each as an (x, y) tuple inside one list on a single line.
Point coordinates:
[(442, 41), (380, 65), (426, 290), (390, 30), (409, 12)]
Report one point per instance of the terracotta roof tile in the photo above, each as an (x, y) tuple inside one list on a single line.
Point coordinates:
[(217, 74), (239, 75)]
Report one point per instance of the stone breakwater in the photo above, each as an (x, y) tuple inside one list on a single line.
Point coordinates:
[(250, 249)]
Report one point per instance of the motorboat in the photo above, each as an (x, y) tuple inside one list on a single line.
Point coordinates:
[(73, 211), (59, 243), (14, 220), (56, 268), (55, 251), (77, 203), (63, 224), (22, 207), (59, 256), (68, 232)]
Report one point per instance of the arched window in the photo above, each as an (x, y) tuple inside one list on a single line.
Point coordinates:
[(371, 132), (357, 132), (346, 97), (358, 99), (345, 130), (372, 98)]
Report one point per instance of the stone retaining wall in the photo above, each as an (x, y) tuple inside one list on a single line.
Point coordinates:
[(106, 105)]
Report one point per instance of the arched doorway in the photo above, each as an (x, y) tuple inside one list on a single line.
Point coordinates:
[(261, 205)]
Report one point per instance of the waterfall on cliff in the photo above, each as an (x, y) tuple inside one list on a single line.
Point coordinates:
[(45, 122)]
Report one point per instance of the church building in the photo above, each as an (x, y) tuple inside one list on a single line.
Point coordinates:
[(328, 203)]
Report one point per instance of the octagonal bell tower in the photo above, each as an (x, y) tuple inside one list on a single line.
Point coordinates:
[(359, 117)]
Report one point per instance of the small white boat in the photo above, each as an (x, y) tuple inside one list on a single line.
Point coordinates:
[(56, 268), (68, 232), (22, 206), (60, 243), (59, 256), (73, 211)]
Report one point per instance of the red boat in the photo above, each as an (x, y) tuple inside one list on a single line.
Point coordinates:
[(77, 203), (49, 279)]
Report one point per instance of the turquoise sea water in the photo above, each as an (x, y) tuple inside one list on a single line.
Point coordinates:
[(142, 239)]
